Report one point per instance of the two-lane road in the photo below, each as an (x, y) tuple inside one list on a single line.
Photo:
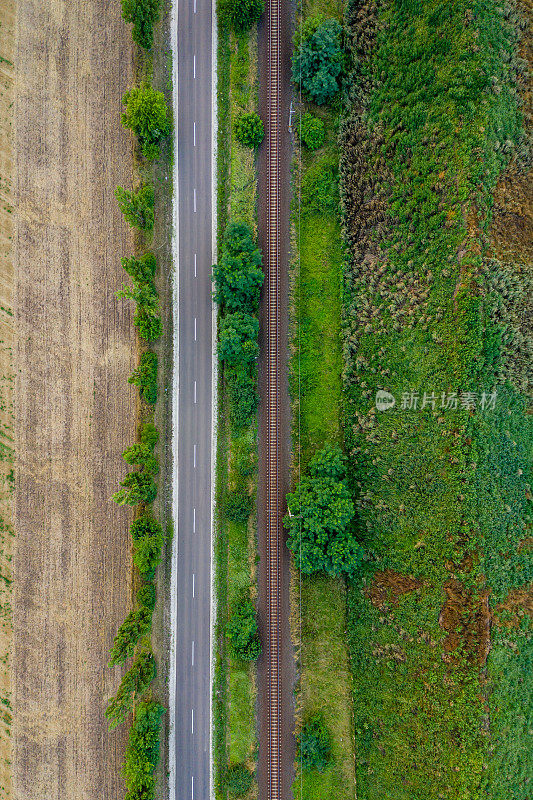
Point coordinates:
[(192, 431)]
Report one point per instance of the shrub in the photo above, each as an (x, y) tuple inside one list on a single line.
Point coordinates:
[(136, 625), (242, 632), (321, 513), (134, 683), (138, 487), (243, 398), (144, 294), (142, 751), (238, 780), (149, 435), (146, 596), (147, 556), (137, 206), (317, 61), (249, 130), (314, 746), (147, 116), (150, 326), (141, 269), (240, 15), (238, 277), (147, 535), (311, 131), (238, 506), (141, 455), (237, 342), (143, 14), (145, 377)]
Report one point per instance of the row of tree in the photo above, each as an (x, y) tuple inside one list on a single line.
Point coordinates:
[(148, 117)]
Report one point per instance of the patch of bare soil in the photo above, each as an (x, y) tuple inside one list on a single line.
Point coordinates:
[(74, 409), (7, 40), (388, 586)]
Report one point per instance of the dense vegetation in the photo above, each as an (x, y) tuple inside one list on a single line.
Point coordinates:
[(137, 206), (314, 746), (142, 751), (240, 15), (148, 116), (440, 477), (249, 129), (317, 59), (321, 511), (242, 632), (143, 14)]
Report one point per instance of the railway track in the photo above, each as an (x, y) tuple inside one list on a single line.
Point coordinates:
[(273, 412)]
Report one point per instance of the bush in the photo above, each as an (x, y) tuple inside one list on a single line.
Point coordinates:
[(314, 746), (238, 277), (134, 683), (240, 15), (237, 341), (141, 269), (149, 435), (249, 130), (142, 751), (311, 131), (137, 207), (243, 398), (320, 187), (138, 487), (141, 455), (147, 116), (144, 294), (238, 506), (147, 535), (146, 596), (320, 519), (150, 326), (136, 625), (143, 14), (145, 377), (317, 61), (238, 780), (242, 632)]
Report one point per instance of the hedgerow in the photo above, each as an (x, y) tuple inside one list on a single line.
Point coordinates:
[(134, 683), (148, 116), (242, 632), (145, 377), (142, 751), (143, 14), (137, 206)]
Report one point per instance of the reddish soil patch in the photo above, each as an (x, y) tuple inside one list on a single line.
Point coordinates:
[(388, 586), (466, 620), (518, 602)]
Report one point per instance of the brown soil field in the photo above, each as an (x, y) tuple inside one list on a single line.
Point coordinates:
[(7, 38), (74, 409)]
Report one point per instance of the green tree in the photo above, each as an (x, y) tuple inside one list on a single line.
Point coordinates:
[(314, 745), (311, 131), (237, 341), (150, 326), (243, 398), (137, 206), (242, 632), (134, 683), (238, 506), (249, 130), (238, 277), (141, 269), (143, 14), (142, 751), (149, 434), (238, 779), (320, 518), (137, 487), (136, 625), (143, 456), (317, 61), (145, 377), (240, 15), (147, 535), (147, 115), (146, 596)]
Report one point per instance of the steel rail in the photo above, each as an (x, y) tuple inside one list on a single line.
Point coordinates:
[(273, 499)]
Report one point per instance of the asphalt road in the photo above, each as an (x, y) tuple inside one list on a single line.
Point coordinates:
[(192, 435)]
